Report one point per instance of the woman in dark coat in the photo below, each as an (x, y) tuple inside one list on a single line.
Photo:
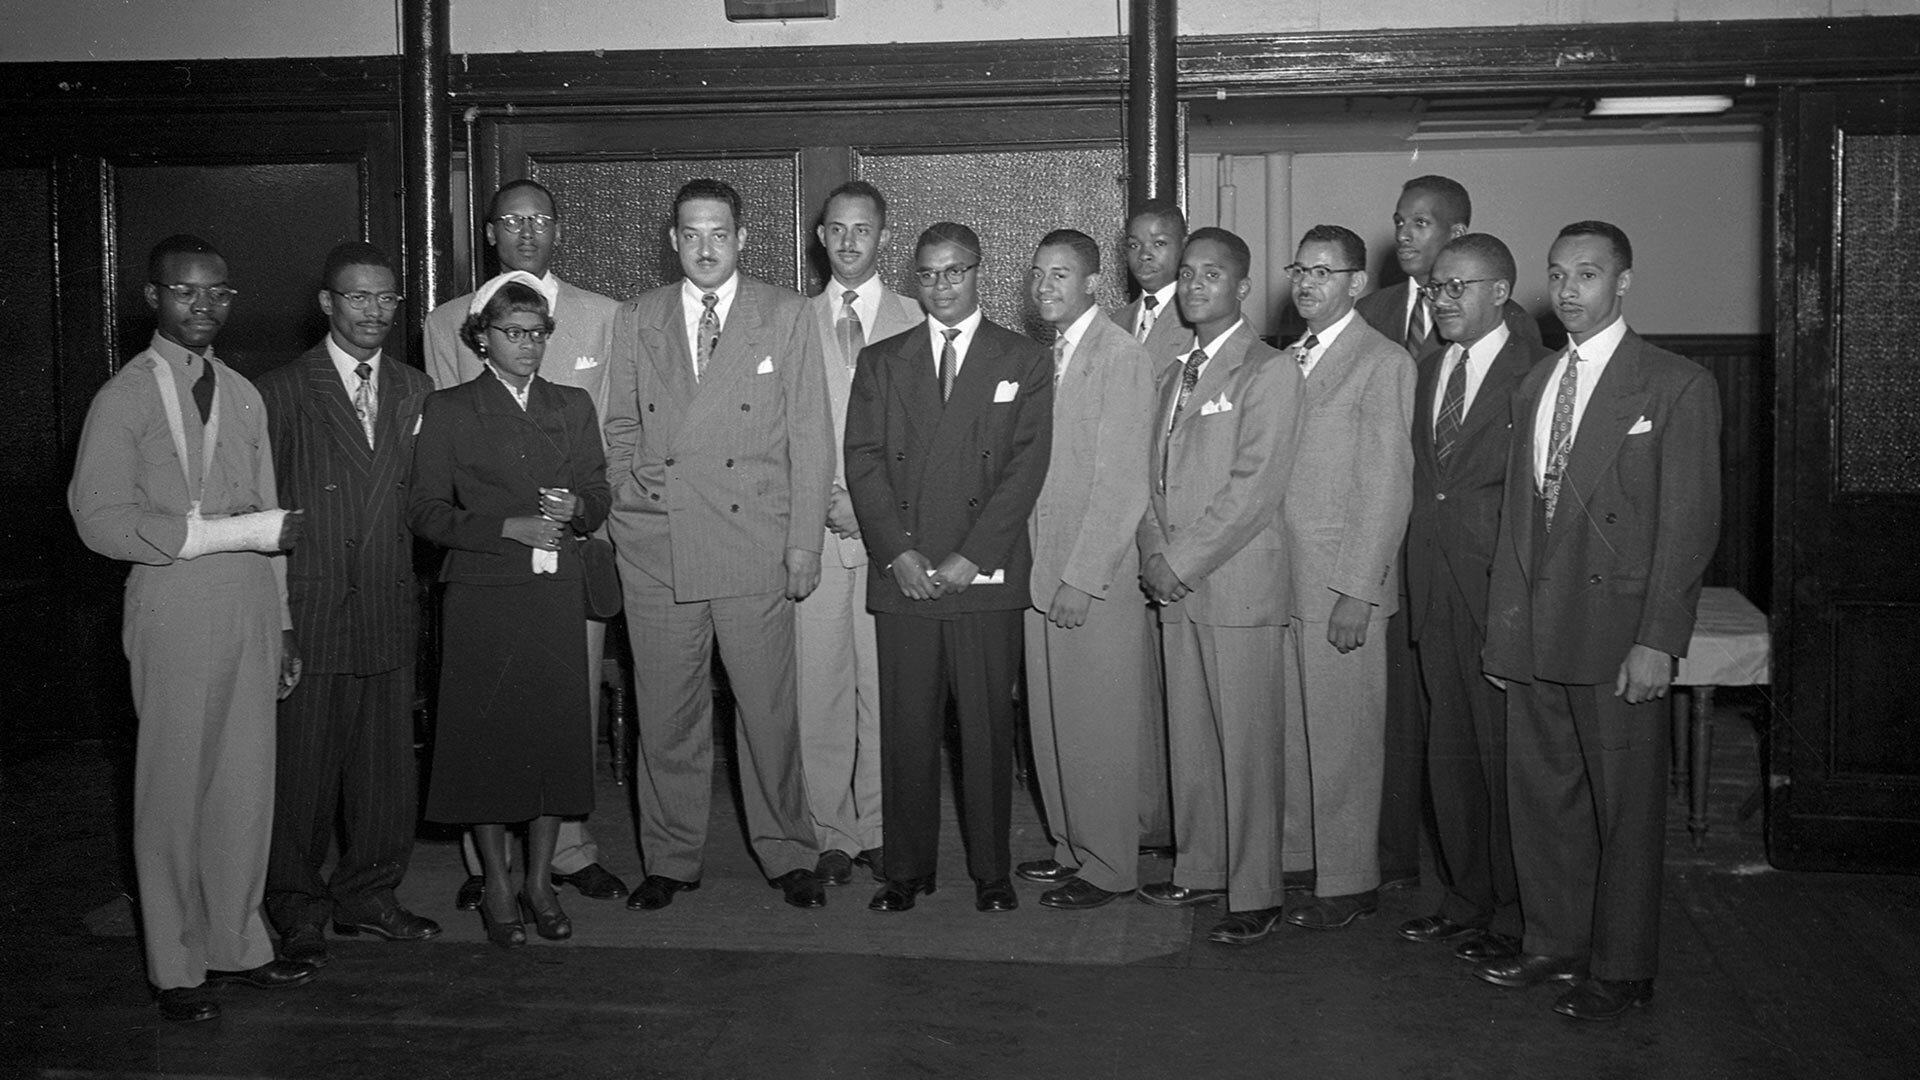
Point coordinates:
[(508, 472)]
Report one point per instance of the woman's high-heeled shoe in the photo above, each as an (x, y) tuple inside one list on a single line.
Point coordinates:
[(507, 935), (552, 925)]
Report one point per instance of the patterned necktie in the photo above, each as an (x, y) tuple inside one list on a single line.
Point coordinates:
[(949, 364), (1059, 358), (853, 337), (1189, 377), (1453, 412), (708, 337), (1147, 313), (1304, 351), (203, 390), (363, 399), (1417, 328), (1560, 440)]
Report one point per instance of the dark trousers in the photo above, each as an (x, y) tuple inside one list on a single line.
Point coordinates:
[(1466, 764), (1587, 776), (344, 750), (1403, 781), (970, 660)]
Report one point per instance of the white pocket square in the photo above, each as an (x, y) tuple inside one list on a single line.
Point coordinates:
[(998, 577), (765, 368), (1640, 426), (582, 363), (1006, 391), (1217, 405)]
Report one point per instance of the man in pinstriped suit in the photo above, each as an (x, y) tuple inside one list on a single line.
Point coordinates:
[(341, 420)]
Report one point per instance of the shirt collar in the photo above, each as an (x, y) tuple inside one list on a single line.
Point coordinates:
[(1326, 337), (967, 327), (519, 396), (177, 354), (344, 362), (692, 294), (1483, 349), (1600, 346), (866, 292), (1213, 347), (1163, 297), (1078, 329)]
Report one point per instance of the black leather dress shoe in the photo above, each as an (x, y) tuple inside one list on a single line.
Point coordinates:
[(1532, 969), (395, 924), (898, 895), (802, 888), (471, 890), (1167, 894), (272, 975), (874, 859), (1604, 999), (995, 895), (1156, 851), (1245, 927), (1046, 871), (186, 1004), (657, 892), (834, 868), (1487, 947), (1078, 894), (595, 882), (1334, 912), (1436, 928), (306, 944)]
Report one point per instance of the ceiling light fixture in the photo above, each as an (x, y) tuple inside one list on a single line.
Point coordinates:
[(1671, 105)]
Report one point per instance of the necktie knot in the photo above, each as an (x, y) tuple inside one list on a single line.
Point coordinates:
[(709, 300), (1150, 301), (849, 297), (364, 370), (1304, 350), (950, 335)]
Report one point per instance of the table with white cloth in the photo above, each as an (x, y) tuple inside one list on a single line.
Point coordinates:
[(1731, 646)]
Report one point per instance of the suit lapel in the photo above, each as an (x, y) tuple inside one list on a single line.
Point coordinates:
[(915, 385), (738, 355), (1507, 367), (1213, 381), (673, 365), (327, 402)]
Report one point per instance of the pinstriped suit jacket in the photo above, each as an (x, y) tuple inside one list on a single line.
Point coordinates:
[(895, 314), (350, 583)]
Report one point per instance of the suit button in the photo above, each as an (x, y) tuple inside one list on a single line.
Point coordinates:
[(973, 502), (901, 456), (655, 497), (986, 453), (649, 406), (329, 487), (729, 463), (903, 504), (669, 461), (744, 407), (350, 543), (1611, 518), (1442, 496), (1594, 580), (736, 508)]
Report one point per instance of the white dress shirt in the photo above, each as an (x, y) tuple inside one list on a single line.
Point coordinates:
[(1162, 303), (866, 302), (1325, 339), (691, 309), (1480, 356), (344, 363), (1595, 352), (967, 327), (1210, 348)]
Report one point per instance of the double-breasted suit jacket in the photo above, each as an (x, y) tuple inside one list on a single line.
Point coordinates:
[(1636, 522), (1165, 338), (346, 732)]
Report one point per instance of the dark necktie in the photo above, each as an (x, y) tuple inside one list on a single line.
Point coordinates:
[(1147, 314), (853, 336), (1418, 328), (203, 390), (949, 364), (1560, 440), (1453, 412), (1189, 377), (1303, 351), (708, 337), (363, 399)]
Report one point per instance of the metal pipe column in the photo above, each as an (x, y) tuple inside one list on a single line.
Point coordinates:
[(424, 123), (1153, 140)]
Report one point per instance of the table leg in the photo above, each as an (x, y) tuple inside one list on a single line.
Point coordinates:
[(618, 715), (1680, 702), (1701, 765)]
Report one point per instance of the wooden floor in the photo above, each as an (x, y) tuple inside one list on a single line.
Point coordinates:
[(1764, 974)]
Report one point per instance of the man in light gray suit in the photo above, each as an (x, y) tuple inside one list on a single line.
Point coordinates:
[(839, 669), (523, 225), (718, 452), (1226, 425), (1346, 513), (1092, 693)]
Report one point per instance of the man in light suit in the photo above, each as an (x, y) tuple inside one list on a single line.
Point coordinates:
[(1431, 211), (719, 448), (1156, 235), (1213, 556), (1462, 431), (948, 429), (1090, 699), (342, 419), (1612, 511), (1346, 513), (523, 227), (839, 669)]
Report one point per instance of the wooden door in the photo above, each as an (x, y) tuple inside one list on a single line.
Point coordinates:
[(1845, 732)]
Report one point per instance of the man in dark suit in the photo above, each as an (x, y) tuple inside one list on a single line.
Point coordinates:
[(720, 455), (1462, 431), (342, 419), (948, 431), (1612, 511), (1432, 211)]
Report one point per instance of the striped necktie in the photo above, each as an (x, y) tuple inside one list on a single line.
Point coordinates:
[(1453, 412), (949, 364), (1189, 378)]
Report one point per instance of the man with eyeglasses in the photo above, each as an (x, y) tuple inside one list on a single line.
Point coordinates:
[(1612, 511), (523, 228), (839, 668), (1431, 211), (1462, 431), (948, 431), (341, 419), (721, 460), (1226, 425), (175, 475), (1346, 514)]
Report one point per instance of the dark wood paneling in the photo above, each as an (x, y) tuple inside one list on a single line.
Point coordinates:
[(174, 86)]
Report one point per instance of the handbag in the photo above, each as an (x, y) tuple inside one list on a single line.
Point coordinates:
[(602, 578)]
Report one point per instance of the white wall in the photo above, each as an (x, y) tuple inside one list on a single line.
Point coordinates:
[(175, 29), (1693, 212)]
